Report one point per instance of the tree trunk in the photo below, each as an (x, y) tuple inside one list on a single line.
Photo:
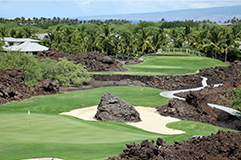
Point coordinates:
[(215, 55), (225, 59), (107, 49)]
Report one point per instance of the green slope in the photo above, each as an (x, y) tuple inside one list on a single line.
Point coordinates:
[(164, 65)]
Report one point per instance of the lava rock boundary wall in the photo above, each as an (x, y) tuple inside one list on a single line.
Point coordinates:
[(220, 74), (167, 82)]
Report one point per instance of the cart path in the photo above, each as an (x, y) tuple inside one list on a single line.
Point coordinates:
[(170, 94)]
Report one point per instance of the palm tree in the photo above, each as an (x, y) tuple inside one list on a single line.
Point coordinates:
[(81, 39), (236, 32), (159, 39), (93, 41), (229, 43), (115, 42), (187, 35), (145, 40), (176, 38), (106, 35), (216, 41), (128, 42)]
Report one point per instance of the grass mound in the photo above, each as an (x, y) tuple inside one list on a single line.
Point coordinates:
[(55, 104), (164, 65)]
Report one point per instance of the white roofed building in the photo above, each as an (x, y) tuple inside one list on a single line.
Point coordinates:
[(23, 45)]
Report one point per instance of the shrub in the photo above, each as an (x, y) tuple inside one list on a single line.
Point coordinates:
[(25, 61), (66, 72), (236, 99)]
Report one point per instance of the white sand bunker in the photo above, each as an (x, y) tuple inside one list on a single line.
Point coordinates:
[(151, 121)]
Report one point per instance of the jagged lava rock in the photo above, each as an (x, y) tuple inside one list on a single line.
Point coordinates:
[(92, 61), (45, 87), (222, 145), (195, 108), (221, 74), (217, 95), (12, 86), (112, 108)]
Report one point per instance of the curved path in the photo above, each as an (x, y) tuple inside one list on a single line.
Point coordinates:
[(170, 94)]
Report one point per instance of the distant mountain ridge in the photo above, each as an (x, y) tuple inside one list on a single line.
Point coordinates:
[(213, 14)]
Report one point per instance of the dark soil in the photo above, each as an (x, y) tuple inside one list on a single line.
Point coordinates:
[(222, 145)]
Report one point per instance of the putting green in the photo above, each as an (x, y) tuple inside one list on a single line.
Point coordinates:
[(71, 138), (62, 129), (58, 103)]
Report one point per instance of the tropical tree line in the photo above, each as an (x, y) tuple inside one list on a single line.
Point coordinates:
[(44, 23), (217, 42), (144, 37)]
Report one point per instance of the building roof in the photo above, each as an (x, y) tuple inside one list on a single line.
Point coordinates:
[(10, 39), (27, 45)]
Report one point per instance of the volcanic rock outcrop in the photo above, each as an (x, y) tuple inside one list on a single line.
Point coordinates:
[(221, 74), (195, 108), (112, 108), (45, 87), (133, 60), (167, 82), (217, 95), (94, 62), (222, 145), (12, 86)]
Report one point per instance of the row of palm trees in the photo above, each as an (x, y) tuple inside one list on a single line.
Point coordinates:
[(213, 42), (104, 41)]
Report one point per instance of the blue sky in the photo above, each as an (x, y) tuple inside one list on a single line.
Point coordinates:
[(84, 8)]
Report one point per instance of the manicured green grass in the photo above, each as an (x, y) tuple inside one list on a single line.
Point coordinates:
[(164, 65), (55, 104), (71, 138)]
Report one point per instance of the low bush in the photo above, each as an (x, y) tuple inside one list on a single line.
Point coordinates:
[(66, 72)]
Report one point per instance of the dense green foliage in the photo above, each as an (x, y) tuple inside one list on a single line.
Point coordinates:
[(113, 37), (66, 72), (24, 61), (236, 99), (52, 135)]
